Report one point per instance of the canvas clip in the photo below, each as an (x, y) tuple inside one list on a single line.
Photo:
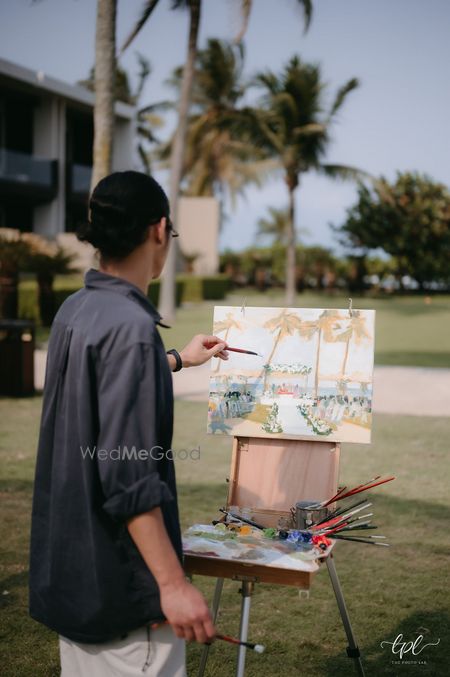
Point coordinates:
[(350, 307), (243, 305)]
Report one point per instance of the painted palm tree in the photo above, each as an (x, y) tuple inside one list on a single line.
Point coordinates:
[(355, 330), (105, 77), (323, 328), (225, 325), (293, 125), (167, 294), (283, 325)]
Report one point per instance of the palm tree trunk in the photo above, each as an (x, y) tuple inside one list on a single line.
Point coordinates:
[(316, 377), (219, 361), (167, 293), (290, 250), (272, 353), (344, 364), (105, 70)]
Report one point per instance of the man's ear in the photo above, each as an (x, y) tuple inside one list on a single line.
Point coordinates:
[(156, 231)]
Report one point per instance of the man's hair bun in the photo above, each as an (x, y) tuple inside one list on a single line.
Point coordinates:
[(122, 206)]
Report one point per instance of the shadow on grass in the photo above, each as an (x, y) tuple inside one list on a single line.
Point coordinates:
[(381, 660), (389, 591)]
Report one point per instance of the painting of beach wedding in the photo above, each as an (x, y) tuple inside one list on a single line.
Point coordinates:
[(311, 376)]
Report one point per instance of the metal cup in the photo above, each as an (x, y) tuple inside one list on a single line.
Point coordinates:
[(306, 514)]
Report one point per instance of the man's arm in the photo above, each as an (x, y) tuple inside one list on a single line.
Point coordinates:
[(199, 350), (183, 605)]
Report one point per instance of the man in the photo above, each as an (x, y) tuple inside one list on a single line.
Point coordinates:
[(105, 556)]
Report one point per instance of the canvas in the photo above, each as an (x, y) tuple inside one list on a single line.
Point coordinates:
[(311, 379)]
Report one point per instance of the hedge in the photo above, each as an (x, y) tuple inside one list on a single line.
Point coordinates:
[(189, 288)]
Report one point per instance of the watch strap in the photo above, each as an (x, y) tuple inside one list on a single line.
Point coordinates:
[(178, 360)]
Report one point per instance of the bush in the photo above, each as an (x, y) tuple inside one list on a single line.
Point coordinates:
[(189, 288), (215, 287), (154, 289)]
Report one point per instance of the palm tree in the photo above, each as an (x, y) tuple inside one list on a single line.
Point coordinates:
[(246, 8), (105, 68), (293, 127), (219, 154), (147, 117), (274, 226), (167, 293)]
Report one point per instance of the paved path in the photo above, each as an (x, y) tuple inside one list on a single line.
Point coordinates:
[(397, 390)]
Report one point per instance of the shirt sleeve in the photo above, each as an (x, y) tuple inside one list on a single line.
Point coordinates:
[(127, 445)]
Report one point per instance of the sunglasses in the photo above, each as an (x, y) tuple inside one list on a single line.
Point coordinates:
[(170, 227)]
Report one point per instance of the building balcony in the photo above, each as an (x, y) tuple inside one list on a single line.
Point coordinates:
[(25, 176), (78, 182)]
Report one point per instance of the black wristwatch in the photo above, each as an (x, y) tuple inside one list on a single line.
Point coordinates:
[(177, 357)]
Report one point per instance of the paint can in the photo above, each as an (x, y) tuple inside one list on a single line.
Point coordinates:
[(306, 514)]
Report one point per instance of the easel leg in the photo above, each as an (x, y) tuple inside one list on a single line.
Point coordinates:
[(352, 649), (246, 592), (214, 610)]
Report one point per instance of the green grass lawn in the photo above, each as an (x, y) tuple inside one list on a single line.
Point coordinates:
[(388, 591), (409, 330)]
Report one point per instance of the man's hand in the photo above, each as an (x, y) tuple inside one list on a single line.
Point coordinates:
[(201, 348), (187, 612)]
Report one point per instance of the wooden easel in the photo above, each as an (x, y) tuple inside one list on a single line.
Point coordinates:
[(269, 476)]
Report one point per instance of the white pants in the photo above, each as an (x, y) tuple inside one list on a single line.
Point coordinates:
[(154, 653)]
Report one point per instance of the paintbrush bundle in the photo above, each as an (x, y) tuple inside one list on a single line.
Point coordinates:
[(346, 523)]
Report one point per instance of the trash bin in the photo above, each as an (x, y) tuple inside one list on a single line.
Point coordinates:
[(17, 357)]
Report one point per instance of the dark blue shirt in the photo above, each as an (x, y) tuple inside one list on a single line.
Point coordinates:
[(103, 456)]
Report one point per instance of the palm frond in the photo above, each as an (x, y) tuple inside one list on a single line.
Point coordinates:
[(145, 70), (344, 172), (341, 95), (246, 8), (155, 107), (146, 12), (307, 12)]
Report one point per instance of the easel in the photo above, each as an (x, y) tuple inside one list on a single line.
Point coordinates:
[(269, 476)]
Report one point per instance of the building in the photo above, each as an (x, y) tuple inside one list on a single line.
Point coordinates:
[(46, 136), (199, 219)]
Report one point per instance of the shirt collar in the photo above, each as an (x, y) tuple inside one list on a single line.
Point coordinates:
[(97, 279)]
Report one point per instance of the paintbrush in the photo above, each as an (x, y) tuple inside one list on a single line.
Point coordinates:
[(357, 490), (339, 526), (328, 500), (358, 540), (259, 648), (241, 350), (334, 521), (338, 512), (359, 527), (242, 519)]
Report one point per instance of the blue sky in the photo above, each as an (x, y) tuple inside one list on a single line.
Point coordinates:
[(399, 49)]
